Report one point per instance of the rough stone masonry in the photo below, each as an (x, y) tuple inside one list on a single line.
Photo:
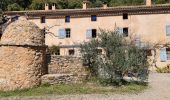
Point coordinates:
[(22, 56)]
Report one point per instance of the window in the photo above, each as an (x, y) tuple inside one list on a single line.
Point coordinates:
[(168, 53), (71, 52), (125, 32), (99, 51), (57, 52), (125, 16), (94, 33), (168, 30), (67, 19), (68, 32), (93, 18), (43, 19)]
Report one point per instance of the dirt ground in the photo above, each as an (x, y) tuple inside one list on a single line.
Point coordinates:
[(159, 90)]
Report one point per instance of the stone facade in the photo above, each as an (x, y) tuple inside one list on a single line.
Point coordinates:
[(22, 53)]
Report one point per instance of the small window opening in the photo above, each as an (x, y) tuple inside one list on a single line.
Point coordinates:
[(43, 19), (125, 16), (94, 33), (67, 19), (93, 18), (71, 52), (125, 32)]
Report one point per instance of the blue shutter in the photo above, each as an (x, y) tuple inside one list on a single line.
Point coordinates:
[(120, 31), (163, 55), (138, 42), (168, 30), (89, 33), (62, 33)]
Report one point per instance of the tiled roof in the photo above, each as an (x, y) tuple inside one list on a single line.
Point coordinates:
[(110, 11)]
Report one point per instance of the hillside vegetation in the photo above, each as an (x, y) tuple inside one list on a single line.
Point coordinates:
[(16, 5)]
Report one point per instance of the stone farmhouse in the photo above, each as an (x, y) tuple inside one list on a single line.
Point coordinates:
[(68, 28)]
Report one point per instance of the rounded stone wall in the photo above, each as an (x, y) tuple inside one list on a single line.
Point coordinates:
[(22, 56)]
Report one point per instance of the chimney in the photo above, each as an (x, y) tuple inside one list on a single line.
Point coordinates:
[(53, 7), (104, 5), (148, 2), (46, 6), (85, 4)]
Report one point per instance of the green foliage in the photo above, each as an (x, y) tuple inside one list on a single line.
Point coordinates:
[(63, 4), (119, 59), (54, 50), (163, 70), (14, 7), (3, 18)]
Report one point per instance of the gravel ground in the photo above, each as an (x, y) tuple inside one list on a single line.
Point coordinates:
[(159, 90)]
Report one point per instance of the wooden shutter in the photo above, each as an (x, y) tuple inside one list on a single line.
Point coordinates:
[(89, 33), (168, 30), (163, 55), (62, 33)]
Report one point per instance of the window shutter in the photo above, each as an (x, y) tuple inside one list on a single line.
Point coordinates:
[(120, 31), (168, 30), (62, 33), (89, 33), (138, 42), (163, 55)]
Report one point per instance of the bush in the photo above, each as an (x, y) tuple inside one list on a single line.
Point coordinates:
[(54, 50), (120, 58)]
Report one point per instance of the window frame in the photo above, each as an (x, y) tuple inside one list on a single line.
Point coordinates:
[(93, 18), (43, 19), (67, 19), (68, 33)]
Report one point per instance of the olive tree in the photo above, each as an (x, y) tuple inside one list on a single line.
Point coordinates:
[(121, 57)]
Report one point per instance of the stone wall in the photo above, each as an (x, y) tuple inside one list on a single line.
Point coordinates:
[(65, 65), (65, 69)]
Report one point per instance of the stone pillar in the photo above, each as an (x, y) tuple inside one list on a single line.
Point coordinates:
[(22, 56)]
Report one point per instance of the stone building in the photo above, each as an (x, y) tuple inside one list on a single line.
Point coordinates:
[(22, 51), (69, 28)]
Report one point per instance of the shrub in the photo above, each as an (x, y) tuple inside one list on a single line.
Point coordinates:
[(120, 58), (54, 50)]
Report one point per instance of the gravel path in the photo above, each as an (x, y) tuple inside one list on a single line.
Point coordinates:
[(159, 90)]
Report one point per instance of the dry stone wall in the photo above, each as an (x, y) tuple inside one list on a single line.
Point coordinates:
[(65, 69), (65, 65)]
